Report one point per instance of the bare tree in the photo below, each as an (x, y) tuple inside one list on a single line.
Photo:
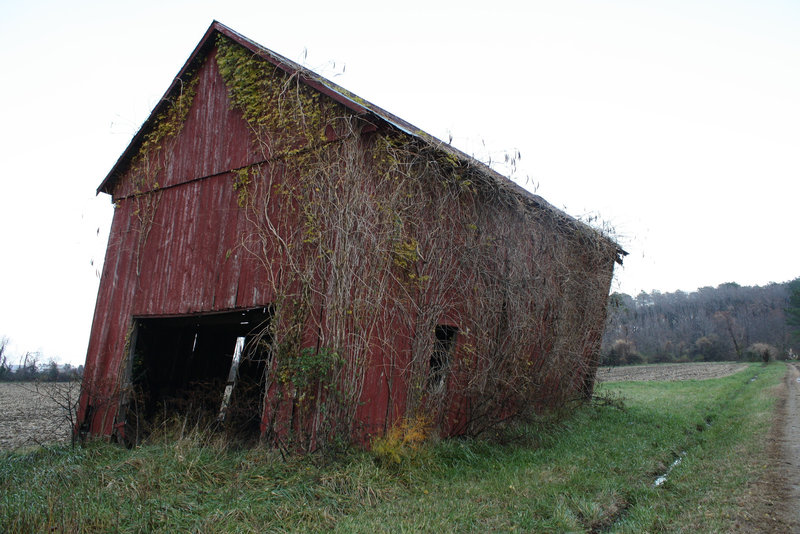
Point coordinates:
[(5, 368)]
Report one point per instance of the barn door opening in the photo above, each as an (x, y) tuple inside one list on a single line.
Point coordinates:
[(203, 371)]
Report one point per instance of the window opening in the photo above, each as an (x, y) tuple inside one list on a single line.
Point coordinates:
[(440, 357)]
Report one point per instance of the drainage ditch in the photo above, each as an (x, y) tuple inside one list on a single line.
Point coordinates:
[(659, 481)]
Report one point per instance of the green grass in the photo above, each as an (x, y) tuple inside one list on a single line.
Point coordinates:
[(593, 471)]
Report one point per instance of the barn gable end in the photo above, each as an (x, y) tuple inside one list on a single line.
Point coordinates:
[(206, 139), (359, 270)]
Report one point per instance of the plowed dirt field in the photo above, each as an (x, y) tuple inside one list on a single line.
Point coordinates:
[(33, 414), (678, 371)]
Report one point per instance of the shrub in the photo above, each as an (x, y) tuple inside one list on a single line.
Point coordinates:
[(403, 442), (761, 352), (622, 352), (710, 349)]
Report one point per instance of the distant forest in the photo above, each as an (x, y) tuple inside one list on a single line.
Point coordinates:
[(729, 322)]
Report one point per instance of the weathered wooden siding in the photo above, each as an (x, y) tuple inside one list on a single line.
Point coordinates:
[(214, 138), (189, 259), (191, 262)]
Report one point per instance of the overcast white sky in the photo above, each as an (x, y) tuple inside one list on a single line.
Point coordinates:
[(676, 121)]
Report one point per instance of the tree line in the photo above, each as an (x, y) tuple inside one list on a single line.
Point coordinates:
[(31, 368), (729, 322)]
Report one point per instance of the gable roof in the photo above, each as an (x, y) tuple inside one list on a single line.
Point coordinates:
[(356, 104)]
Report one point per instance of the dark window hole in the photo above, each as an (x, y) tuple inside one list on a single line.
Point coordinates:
[(440, 357)]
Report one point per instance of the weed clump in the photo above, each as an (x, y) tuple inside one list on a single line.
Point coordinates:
[(404, 443), (763, 352)]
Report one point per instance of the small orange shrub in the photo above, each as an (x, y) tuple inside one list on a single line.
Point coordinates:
[(403, 442)]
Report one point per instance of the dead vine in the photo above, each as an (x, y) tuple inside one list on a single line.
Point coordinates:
[(371, 239)]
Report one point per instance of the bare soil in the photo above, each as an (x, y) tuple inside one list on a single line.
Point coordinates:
[(35, 413), (669, 372)]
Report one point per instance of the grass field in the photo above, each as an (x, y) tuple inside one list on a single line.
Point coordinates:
[(592, 472)]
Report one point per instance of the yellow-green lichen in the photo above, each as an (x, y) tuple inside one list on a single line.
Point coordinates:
[(284, 113)]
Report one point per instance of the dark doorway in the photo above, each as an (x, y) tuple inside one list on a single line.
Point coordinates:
[(180, 367)]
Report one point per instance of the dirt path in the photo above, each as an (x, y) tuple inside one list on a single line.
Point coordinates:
[(791, 441), (772, 504), (791, 445)]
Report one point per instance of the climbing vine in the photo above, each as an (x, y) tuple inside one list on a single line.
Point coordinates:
[(151, 159), (370, 239), (273, 102)]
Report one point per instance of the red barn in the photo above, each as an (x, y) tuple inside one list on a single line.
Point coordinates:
[(295, 264)]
